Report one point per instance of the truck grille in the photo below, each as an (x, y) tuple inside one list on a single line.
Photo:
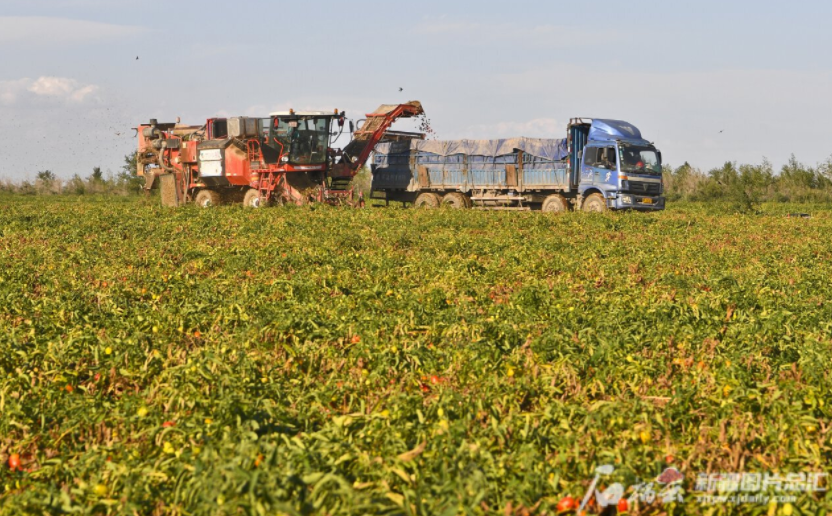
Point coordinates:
[(640, 187)]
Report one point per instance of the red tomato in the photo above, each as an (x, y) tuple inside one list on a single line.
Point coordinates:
[(424, 388), (355, 339), (197, 334), (168, 424), (434, 379), (68, 388), (623, 505), (14, 461), (567, 503)]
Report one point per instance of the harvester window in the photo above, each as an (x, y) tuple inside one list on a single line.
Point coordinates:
[(263, 126), (304, 140)]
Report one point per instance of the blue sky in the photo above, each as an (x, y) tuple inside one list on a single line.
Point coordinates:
[(761, 72)]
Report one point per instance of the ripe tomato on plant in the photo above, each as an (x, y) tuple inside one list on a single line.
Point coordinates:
[(14, 461), (623, 505), (567, 503)]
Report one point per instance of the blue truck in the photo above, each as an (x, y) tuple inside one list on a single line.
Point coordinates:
[(600, 165)]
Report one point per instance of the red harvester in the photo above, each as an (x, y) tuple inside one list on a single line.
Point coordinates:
[(286, 158)]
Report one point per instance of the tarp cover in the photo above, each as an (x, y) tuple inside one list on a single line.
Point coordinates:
[(554, 150)]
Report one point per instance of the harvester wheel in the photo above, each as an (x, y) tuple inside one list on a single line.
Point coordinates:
[(455, 200), (207, 198), (555, 203), (594, 203), (427, 200), (253, 200)]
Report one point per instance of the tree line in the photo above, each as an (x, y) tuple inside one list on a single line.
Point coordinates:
[(46, 182), (743, 185), (746, 186)]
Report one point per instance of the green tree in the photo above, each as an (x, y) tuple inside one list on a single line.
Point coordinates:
[(47, 177), (45, 181), (77, 185), (127, 179), (97, 175)]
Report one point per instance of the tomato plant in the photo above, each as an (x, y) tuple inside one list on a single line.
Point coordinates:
[(322, 360)]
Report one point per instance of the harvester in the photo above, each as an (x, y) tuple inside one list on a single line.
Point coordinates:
[(285, 158)]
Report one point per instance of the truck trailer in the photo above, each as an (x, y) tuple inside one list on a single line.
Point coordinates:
[(601, 164)]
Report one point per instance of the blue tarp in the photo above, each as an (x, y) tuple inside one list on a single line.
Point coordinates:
[(548, 149)]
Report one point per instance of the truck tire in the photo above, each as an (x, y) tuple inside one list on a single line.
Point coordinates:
[(456, 201), (555, 203), (207, 198), (427, 200), (594, 203), (252, 199)]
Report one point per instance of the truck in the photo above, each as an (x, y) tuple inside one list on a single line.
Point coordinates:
[(287, 157), (601, 165)]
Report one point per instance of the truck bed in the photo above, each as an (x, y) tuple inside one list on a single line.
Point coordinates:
[(520, 164)]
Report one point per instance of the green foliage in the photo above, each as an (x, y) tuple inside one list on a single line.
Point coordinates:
[(333, 361), (744, 187), (127, 179), (46, 176), (97, 176), (363, 181)]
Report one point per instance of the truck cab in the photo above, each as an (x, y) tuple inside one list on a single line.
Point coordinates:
[(611, 159)]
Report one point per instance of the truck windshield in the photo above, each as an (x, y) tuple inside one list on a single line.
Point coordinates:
[(640, 159), (305, 139)]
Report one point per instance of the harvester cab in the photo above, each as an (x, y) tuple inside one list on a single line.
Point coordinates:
[(300, 138)]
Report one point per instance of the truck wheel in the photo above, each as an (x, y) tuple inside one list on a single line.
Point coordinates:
[(427, 200), (455, 200), (207, 198), (594, 203), (555, 203), (252, 199)]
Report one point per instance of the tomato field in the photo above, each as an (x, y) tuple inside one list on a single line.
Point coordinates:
[(318, 360)]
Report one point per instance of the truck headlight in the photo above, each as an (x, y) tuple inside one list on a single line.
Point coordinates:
[(626, 199)]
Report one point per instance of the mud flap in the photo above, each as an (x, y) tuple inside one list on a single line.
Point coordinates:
[(169, 190)]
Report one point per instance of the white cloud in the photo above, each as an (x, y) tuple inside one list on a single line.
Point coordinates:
[(43, 30), (55, 88)]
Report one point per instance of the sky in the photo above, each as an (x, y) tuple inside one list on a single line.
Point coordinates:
[(707, 81)]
